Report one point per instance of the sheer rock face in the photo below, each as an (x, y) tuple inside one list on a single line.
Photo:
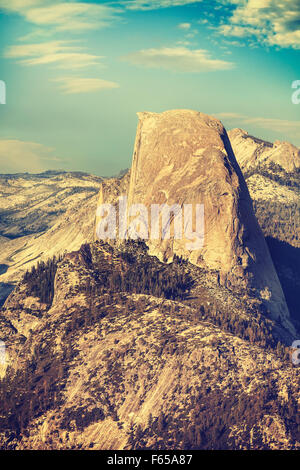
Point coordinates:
[(251, 151), (185, 157)]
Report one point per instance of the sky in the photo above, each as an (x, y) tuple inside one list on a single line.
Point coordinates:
[(77, 72)]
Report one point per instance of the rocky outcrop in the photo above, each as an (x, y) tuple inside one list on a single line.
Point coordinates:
[(251, 151), (185, 157)]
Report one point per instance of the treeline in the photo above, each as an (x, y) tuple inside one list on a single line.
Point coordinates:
[(40, 279), (279, 221), (276, 173), (133, 271), (206, 420), (36, 388), (255, 328), (29, 392)]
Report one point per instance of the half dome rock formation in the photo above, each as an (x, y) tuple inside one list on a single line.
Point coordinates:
[(185, 157), (251, 151)]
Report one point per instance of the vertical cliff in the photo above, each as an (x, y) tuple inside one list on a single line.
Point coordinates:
[(185, 157)]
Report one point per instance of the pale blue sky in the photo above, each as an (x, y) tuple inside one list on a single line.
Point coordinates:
[(77, 73)]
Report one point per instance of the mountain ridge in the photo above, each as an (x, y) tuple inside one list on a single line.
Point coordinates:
[(254, 151), (124, 370)]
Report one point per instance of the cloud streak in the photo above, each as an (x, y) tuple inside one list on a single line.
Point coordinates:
[(72, 16), (75, 85), (178, 59), (63, 16), (59, 53), (62, 54), (19, 5), (156, 4)]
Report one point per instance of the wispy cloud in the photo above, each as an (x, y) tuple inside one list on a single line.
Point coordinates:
[(271, 22), (19, 5), (63, 16), (184, 26), (60, 53), (74, 85), (26, 156), (72, 16), (65, 61), (156, 4), (178, 59), (38, 49)]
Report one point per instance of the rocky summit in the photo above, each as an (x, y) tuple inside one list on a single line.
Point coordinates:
[(251, 151), (185, 157)]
